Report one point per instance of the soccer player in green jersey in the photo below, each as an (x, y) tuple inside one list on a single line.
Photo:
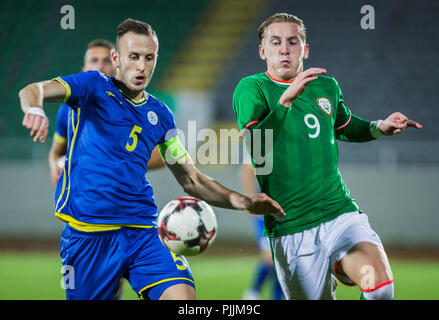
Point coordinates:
[(324, 234)]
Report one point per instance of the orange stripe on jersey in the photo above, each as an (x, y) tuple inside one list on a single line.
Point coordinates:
[(278, 81), (249, 125), (341, 127)]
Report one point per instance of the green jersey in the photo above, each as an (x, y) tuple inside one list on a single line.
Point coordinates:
[(305, 179)]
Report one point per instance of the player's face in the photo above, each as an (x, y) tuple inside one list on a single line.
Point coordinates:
[(283, 50), (98, 58), (135, 60)]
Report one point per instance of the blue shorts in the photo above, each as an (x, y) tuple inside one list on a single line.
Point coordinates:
[(94, 262)]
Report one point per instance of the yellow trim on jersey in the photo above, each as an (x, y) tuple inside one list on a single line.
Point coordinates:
[(91, 227), (59, 138), (135, 103), (66, 85), (75, 131), (161, 281)]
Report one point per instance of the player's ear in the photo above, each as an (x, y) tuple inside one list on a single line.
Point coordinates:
[(115, 58), (262, 52), (306, 51)]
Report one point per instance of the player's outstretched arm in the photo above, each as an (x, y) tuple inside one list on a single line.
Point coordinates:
[(205, 188), (31, 101), (397, 123), (201, 186)]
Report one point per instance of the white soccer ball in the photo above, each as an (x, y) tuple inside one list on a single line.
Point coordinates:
[(187, 226)]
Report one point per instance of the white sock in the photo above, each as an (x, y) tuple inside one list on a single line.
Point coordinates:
[(383, 291)]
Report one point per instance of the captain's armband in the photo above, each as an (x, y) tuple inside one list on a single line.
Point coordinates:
[(172, 151)]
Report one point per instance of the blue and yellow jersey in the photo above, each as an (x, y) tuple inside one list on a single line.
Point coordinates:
[(110, 141), (62, 117)]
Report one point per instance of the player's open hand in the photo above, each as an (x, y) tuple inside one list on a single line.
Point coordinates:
[(299, 85), (396, 123), (38, 126), (262, 204)]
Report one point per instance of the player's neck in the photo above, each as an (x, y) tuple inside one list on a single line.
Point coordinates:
[(133, 95)]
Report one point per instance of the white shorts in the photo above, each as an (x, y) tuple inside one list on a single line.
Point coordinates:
[(306, 261)]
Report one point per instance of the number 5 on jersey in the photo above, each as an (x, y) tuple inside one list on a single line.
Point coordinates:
[(133, 137)]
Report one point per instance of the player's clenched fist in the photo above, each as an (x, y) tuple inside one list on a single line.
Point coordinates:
[(299, 84), (37, 123)]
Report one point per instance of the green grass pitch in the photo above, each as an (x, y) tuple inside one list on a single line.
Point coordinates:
[(28, 276)]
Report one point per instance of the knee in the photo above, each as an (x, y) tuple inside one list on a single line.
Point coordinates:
[(383, 291)]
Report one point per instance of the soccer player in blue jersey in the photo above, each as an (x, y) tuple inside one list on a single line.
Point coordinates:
[(103, 195), (97, 57)]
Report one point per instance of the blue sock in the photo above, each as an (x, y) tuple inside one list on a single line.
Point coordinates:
[(262, 272), (277, 290)]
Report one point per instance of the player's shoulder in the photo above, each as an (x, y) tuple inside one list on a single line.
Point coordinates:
[(159, 105), (326, 80), (94, 75), (253, 79), (251, 84)]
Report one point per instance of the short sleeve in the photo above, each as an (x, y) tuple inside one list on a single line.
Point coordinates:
[(249, 103), (170, 128), (79, 87)]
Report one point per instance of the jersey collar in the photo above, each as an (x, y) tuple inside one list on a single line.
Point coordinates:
[(285, 83), (135, 103)]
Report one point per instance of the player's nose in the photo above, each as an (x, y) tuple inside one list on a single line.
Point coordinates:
[(141, 65), (284, 49)]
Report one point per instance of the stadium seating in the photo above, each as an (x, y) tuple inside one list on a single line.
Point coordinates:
[(35, 47)]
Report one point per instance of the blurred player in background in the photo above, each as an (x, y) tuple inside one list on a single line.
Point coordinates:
[(103, 195), (264, 270), (97, 57), (324, 233)]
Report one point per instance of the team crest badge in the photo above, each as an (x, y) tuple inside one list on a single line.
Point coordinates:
[(152, 117), (325, 105)]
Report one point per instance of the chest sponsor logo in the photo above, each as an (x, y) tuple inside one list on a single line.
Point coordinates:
[(152, 117), (325, 105)]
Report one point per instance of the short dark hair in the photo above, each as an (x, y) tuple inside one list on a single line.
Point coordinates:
[(136, 26), (282, 17), (100, 43)]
